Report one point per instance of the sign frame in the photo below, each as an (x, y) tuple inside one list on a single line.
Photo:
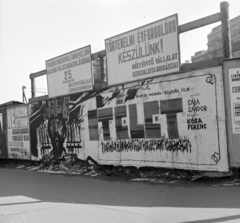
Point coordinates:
[(157, 74), (65, 69), (234, 87), (18, 132)]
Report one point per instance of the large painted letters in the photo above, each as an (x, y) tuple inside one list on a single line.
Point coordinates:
[(93, 125), (152, 127), (121, 122), (137, 130), (152, 130), (105, 115), (171, 107)]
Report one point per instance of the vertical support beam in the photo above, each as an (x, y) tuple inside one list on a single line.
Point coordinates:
[(23, 94), (24, 99), (226, 37), (101, 69), (33, 87)]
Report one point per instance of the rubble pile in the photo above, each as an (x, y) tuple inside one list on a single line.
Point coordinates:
[(70, 164)]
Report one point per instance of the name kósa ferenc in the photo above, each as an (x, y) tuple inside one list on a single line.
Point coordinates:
[(196, 124)]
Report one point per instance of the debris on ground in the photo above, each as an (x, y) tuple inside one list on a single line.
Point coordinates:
[(72, 165)]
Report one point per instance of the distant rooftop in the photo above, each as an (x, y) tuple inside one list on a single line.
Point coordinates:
[(217, 28), (10, 103)]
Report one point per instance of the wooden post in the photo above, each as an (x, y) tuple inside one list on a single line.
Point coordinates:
[(23, 94), (24, 99), (226, 37), (33, 87), (101, 69)]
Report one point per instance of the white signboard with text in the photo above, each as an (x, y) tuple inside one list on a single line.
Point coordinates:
[(18, 132), (70, 73), (147, 51), (234, 80)]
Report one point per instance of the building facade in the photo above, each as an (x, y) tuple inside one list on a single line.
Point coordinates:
[(215, 47)]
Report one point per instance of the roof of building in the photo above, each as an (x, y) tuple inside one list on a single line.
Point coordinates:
[(10, 103), (219, 27)]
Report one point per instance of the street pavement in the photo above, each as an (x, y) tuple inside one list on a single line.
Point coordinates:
[(34, 197)]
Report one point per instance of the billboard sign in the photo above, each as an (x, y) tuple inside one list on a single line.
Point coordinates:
[(18, 132), (70, 73), (234, 80), (147, 51)]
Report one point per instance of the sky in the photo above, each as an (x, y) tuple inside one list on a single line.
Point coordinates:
[(33, 31)]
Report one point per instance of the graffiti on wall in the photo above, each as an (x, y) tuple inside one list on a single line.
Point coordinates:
[(56, 125), (136, 145)]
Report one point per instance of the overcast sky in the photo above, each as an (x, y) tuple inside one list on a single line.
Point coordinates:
[(33, 31)]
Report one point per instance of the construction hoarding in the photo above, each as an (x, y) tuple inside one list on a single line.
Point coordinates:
[(174, 121)]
